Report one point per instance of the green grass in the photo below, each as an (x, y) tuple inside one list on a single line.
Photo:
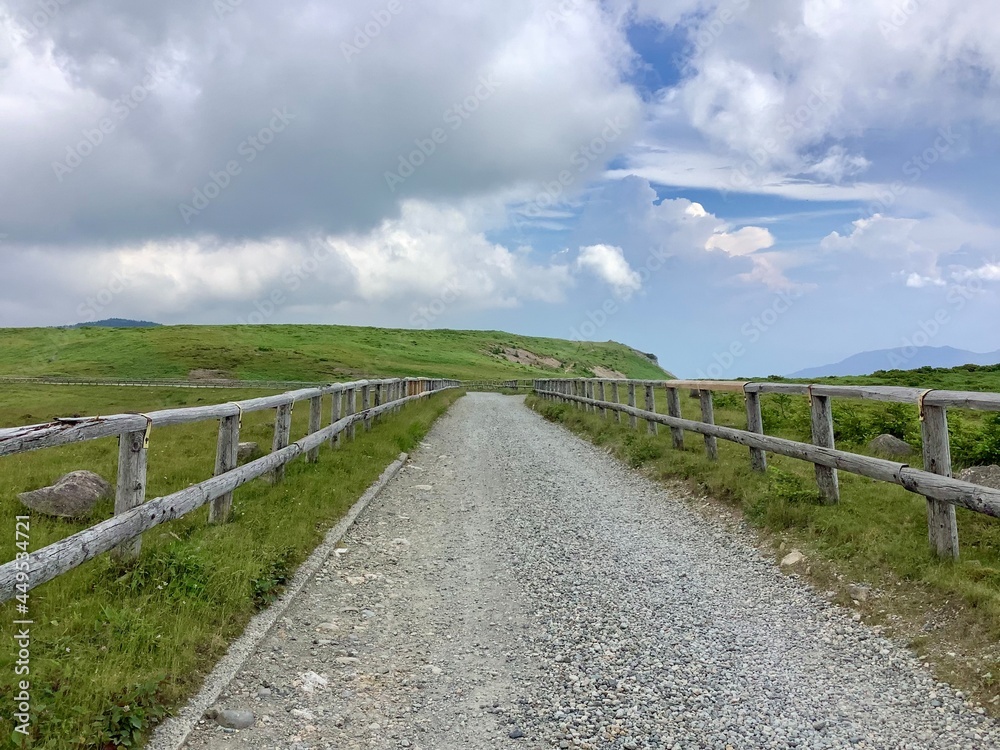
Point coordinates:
[(877, 534), (964, 378), (306, 352), (114, 646)]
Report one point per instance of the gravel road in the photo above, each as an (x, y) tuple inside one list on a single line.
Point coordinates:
[(514, 587)]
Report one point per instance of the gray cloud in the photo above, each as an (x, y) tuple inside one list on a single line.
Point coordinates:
[(221, 79)]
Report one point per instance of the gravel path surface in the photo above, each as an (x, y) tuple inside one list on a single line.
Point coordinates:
[(515, 587)]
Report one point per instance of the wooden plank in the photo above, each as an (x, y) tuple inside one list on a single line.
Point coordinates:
[(964, 400), (366, 404), (602, 396), (725, 386), (942, 527), (335, 409), (315, 424), (351, 399), (708, 417), (226, 451), (791, 389), (755, 423), (651, 426), (674, 410), (616, 398), (633, 420), (282, 434), (130, 491), (822, 435)]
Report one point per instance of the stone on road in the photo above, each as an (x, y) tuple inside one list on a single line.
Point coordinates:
[(514, 587)]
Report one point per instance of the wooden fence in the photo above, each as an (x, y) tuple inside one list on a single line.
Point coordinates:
[(934, 481), (352, 403), (272, 385), (498, 385)]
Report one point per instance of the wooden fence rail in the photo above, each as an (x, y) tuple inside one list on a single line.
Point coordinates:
[(934, 481), (134, 515)]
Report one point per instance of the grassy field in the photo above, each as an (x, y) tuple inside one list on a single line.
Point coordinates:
[(877, 535), (114, 646), (307, 353), (965, 378)]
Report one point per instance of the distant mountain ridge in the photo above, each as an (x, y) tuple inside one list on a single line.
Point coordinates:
[(117, 323), (909, 358)]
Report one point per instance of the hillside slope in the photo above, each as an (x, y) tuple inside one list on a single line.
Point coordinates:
[(866, 363), (307, 353)]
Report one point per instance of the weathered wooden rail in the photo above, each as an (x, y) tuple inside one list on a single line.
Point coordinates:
[(133, 515), (933, 481), (271, 385), (498, 385)]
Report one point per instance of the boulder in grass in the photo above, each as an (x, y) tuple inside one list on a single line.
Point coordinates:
[(987, 476), (889, 446), (73, 496), (246, 451)]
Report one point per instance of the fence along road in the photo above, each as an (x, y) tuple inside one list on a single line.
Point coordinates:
[(133, 515), (934, 482)]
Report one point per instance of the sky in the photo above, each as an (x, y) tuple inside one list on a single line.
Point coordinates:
[(742, 187)]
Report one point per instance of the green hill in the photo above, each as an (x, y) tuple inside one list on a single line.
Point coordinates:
[(307, 353)]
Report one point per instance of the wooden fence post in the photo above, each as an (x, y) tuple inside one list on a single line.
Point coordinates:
[(650, 406), (351, 404), (588, 386), (755, 423), (315, 424), (822, 434), (130, 491), (708, 417), (602, 396), (941, 525), (633, 421), (616, 397), (225, 460), (335, 409), (282, 432), (366, 403), (674, 410)]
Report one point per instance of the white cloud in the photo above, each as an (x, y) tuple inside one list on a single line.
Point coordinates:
[(608, 264), (741, 242), (921, 252), (428, 252)]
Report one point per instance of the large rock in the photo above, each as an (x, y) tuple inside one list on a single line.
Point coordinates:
[(246, 451), (73, 496), (792, 558), (231, 718), (889, 446), (987, 476)]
